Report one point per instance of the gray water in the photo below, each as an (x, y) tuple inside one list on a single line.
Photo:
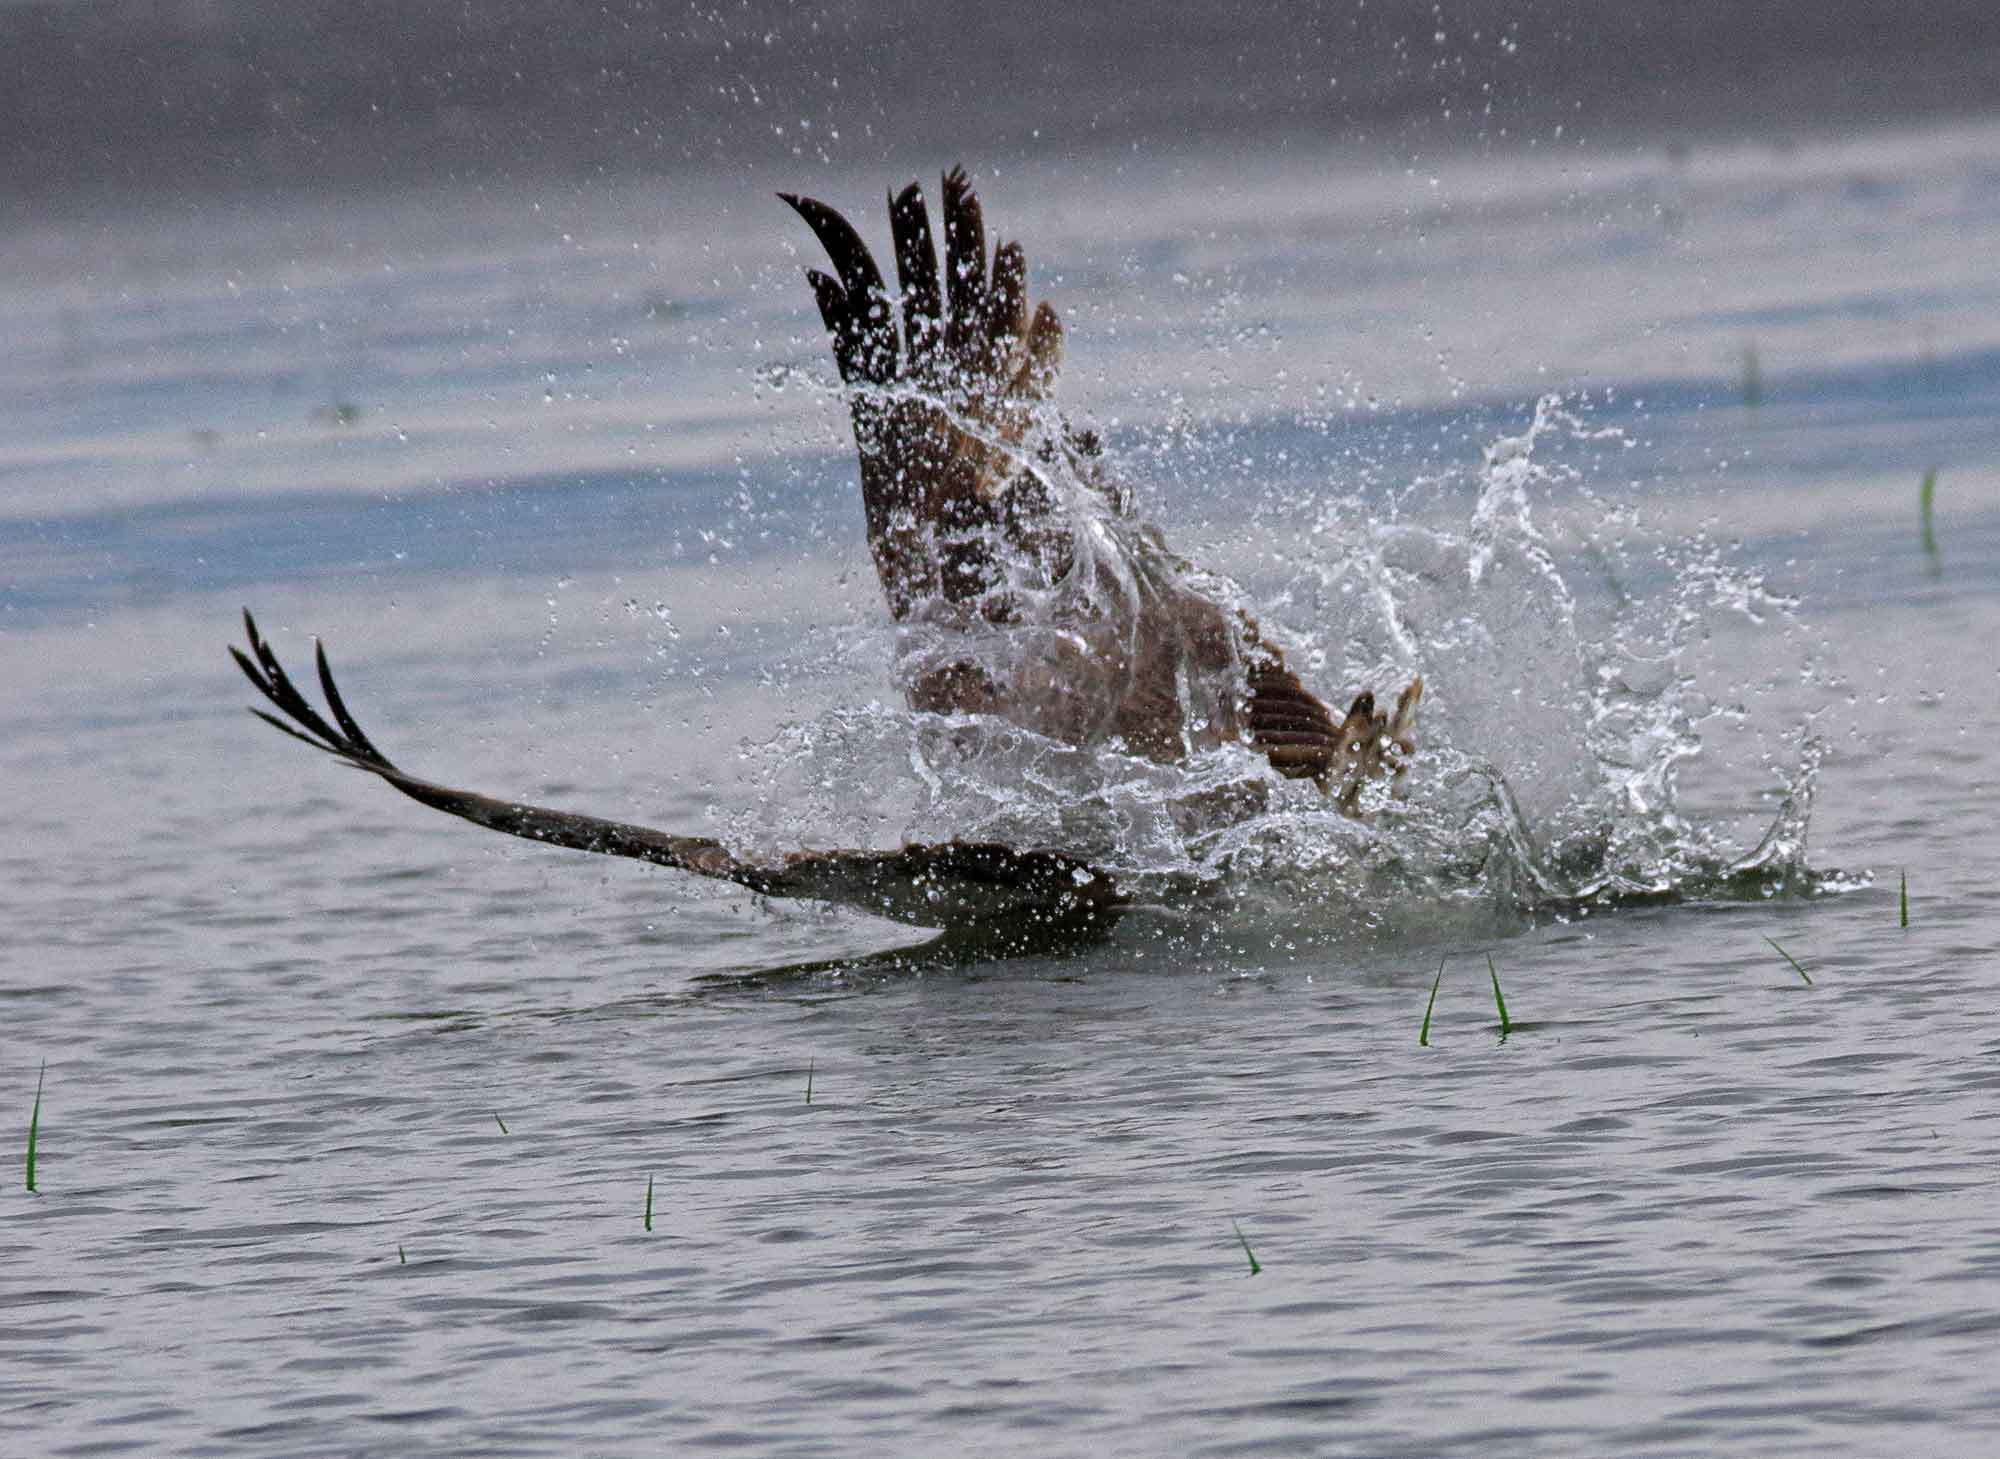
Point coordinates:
[(558, 476)]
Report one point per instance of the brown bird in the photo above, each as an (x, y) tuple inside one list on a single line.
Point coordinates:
[(972, 527), (1031, 591)]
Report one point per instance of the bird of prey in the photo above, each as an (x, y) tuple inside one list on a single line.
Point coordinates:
[(1028, 588)]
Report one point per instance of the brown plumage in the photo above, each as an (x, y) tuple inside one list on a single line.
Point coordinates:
[(975, 544), (990, 895), (969, 531)]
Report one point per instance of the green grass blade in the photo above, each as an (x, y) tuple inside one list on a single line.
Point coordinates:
[(500, 1122), (402, 1257), (1499, 1002), (809, 1080), (1793, 961), (1903, 901), (1926, 500), (1424, 1033), (1254, 1266), (649, 1203), (35, 1125)]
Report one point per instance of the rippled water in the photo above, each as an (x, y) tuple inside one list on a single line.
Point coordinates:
[(351, 1112)]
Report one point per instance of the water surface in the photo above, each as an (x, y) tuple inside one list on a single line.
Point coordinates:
[(573, 507)]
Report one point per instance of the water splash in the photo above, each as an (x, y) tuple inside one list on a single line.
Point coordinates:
[(1567, 654)]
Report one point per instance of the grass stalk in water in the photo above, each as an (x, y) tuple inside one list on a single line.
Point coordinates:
[(649, 1203), (501, 1123), (402, 1257), (1903, 901), (1424, 1033), (1793, 961), (1254, 1266), (1499, 1002), (35, 1125), (1926, 499), (809, 1080)]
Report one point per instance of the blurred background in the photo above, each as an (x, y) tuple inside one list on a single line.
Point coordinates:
[(118, 96)]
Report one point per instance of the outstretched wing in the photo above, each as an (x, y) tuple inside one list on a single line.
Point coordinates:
[(939, 499), (1026, 898), (944, 504)]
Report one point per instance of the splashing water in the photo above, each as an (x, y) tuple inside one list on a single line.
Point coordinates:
[(1563, 704)]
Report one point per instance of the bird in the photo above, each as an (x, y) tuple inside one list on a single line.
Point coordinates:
[(1025, 585)]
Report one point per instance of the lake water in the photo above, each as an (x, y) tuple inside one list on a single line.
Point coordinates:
[(352, 1114)]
